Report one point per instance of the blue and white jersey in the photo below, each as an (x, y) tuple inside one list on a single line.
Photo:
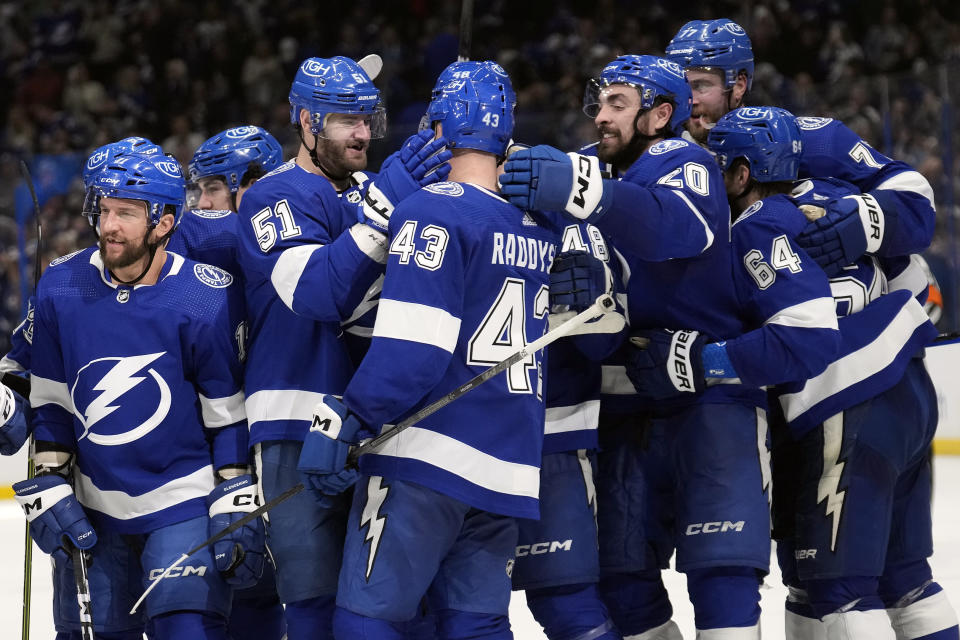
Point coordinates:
[(143, 383), (785, 298), (467, 285), (671, 224), (831, 149), (573, 363), (882, 326), (208, 236), (304, 273)]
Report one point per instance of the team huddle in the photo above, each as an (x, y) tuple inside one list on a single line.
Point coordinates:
[(249, 325)]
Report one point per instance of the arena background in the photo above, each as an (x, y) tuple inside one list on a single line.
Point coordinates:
[(77, 75)]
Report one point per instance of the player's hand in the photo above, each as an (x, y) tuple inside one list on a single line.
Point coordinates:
[(542, 178), (54, 515), (419, 162), (323, 458), (239, 555), (664, 364), (14, 421), (852, 226), (577, 279)]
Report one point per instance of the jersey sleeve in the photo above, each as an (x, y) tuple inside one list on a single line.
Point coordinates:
[(419, 315), (218, 376), (293, 242), (832, 149), (787, 296), (49, 393), (668, 206)]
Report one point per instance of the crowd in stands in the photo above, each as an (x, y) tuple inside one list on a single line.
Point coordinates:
[(80, 73)]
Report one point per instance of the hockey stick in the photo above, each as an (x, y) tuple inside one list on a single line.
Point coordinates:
[(256, 513), (603, 305), (466, 30), (83, 591), (28, 542)]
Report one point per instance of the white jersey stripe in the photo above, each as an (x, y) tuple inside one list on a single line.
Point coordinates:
[(696, 212), (417, 323), (123, 506), (288, 269), (909, 181), (44, 391), (819, 313), (859, 365), (458, 458), (281, 404), (578, 417), (222, 412)]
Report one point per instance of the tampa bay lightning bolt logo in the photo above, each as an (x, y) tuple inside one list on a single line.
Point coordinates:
[(453, 189), (212, 276), (113, 379), (240, 132), (665, 146), (170, 168), (808, 123)]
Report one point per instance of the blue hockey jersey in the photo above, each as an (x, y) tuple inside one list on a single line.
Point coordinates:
[(785, 298), (143, 383), (306, 267), (831, 149), (208, 236), (573, 378), (882, 326), (670, 221), (467, 284)]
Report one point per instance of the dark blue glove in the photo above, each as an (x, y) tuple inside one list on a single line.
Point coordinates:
[(577, 279), (419, 162), (542, 178), (14, 420), (323, 458), (239, 555), (853, 225), (54, 515), (664, 364)]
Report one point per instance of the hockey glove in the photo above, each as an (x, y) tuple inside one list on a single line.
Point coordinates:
[(577, 279), (54, 515), (323, 458), (239, 555), (664, 364), (14, 415), (544, 179), (419, 162), (852, 226)]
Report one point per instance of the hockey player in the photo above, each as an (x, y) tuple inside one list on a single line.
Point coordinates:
[(466, 285), (227, 164), (669, 218), (144, 493), (306, 262), (852, 508), (894, 213)]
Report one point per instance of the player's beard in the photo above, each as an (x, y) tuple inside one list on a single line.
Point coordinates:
[(699, 129), (340, 158), (130, 255), (621, 154)]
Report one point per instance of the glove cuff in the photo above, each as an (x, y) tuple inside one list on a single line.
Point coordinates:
[(872, 219), (684, 365), (586, 190), (371, 241)]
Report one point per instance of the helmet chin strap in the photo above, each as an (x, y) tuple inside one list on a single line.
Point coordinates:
[(152, 247), (316, 161)]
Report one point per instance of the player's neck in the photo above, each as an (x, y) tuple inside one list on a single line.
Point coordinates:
[(305, 162), (128, 273), (475, 167)]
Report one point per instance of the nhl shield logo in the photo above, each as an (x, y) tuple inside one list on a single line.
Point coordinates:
[(123, 295)]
